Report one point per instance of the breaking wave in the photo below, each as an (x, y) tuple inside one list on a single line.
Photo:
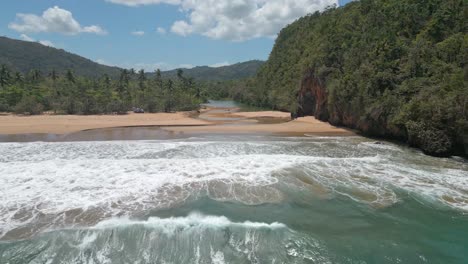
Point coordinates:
[(59, 185)]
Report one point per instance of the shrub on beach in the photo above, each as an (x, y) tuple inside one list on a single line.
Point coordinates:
[(29, 105)]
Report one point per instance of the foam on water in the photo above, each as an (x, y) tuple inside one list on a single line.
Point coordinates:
[(172, 225), (56, 185), (195, 238), (112, 187)]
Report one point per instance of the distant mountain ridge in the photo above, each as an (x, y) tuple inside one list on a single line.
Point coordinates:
[(24, 56), (236, 71)]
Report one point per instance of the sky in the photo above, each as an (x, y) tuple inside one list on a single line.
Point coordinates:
[(152, 34)]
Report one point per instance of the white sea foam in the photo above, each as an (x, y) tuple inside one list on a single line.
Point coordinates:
[(194, 220), (43, 185), (84, 184), (195, 238)]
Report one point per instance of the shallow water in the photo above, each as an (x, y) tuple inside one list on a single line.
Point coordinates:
[(223, 104), (236, 199), (233, 104)]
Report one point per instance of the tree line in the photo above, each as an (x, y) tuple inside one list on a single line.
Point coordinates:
[(390, 68), (36, 92)]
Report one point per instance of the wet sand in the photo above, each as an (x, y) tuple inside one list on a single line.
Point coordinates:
[(304, 125), (64, 124), (210, 120)]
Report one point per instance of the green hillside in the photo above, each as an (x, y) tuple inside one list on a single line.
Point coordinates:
[(389, 68), (26, 56), (231, 72)]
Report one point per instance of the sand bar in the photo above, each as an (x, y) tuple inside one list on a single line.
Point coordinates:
[(213, 120), (304, 125), (63, 124)]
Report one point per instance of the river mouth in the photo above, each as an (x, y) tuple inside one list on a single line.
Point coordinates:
[(230, 199), (217, 113), (227, 113)]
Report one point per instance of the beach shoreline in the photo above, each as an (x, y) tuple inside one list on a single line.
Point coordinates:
[(206, 121)]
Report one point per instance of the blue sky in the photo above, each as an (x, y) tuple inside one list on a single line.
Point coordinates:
[(154, 34)]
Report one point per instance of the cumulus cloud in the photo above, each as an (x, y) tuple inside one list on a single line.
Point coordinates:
[(27, 38), (184, 66), (104, 62), (138, 33), (53, 20), (161, 30), (220, 64), (236, 20), (144, 2), (46, 43), (240, 20), (43, 42)]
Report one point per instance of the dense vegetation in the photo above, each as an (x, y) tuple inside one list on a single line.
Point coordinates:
[(23, 56), (35, 92), (389, 68), (225, 73), (36, 78)]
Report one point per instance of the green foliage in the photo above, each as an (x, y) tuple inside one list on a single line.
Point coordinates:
[(430, 139), (29, 105), (22, 56), (386, 64), (225, 73), (72, 94)]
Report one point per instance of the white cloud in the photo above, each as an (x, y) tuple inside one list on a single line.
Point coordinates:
[(161, 30), (43, 42), (104, 62), (144, 2), (236, 20), (46, 43), (94, 30), (27, 38), (220, 64), (53, 20), (138, 33), (184, 66), (240, 20), (182, 28)]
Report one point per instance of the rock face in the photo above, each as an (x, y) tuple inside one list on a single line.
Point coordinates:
[(432, 141), (312, 99)]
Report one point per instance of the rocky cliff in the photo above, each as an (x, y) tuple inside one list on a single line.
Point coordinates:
[(312, 100), (312, 97), (388, 68)]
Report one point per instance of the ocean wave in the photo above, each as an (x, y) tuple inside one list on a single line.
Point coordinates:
[(195, 238), (191, 221), (76, 183)]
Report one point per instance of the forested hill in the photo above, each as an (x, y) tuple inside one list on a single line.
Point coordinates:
[(23, 56), (231, 72), (389, 68)]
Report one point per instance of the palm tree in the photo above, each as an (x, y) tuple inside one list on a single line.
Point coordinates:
[(70, 76), (170, 89), (5, 76), (18, 77), (141, 79), (53, 75)]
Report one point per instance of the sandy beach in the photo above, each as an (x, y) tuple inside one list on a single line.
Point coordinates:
[(210, 120), (63, 124), (300, 126)]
